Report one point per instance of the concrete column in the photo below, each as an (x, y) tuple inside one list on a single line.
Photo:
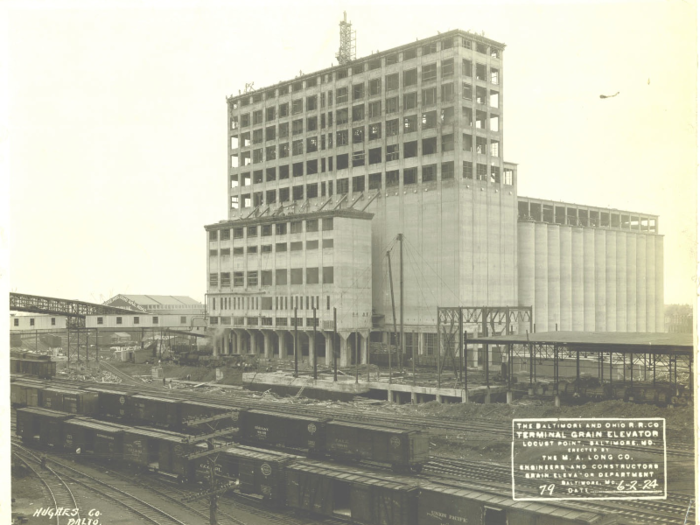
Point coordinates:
[(344, 349), (589, 286), (631, 281), (651, 283), (239, 342), (312, 348), (266, 344), (364, 348), (611, 280), (621, 280), (600, 280), (509, 397), (281, 344), (565, 305), (541, 305), (641, 282), (553, 278), (577, 315), (526, 265), (329, 348), (659, 281), (414, 398)]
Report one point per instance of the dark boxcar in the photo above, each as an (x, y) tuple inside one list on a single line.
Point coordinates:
[(81, 402), (38, 367), (192, 410), (157, 411), (34, 394), (112, 403), (361, 497), (402, 449), (284, 430), (46, 424), (452, 505), (172, 454), (141, 447), (90, 437), (18, 393), (52, 398), (260, 472)]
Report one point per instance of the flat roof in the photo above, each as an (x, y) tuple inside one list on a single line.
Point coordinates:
[(623, 342), (536, 200), (418, 42)]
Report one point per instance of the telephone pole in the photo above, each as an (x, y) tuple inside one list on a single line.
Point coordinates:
[(209, 425)]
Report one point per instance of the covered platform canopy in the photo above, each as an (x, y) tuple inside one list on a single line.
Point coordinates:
[(618, 342), (648, 350)]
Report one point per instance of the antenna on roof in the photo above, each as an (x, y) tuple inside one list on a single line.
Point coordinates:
[(348, 41)]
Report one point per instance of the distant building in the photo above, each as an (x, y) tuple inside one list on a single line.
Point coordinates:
[(21, 322), (158, 304)]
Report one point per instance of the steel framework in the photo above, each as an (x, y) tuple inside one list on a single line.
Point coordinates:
[(346, 51), (492, 320), (74, 310)]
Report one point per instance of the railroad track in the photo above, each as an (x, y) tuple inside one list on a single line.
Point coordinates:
[(107, 489), (672, 511), (60, 493)]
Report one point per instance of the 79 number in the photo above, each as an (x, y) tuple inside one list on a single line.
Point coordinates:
[(547, 489)]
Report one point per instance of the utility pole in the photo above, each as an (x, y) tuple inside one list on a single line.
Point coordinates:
[(393, 309), (296, 359), (335, 337), (313, 348), (209, 425), (403, 344)]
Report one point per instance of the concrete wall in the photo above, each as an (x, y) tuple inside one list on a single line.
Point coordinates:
[(592, 279)]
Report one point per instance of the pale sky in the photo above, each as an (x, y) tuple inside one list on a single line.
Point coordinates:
[(116, 120)]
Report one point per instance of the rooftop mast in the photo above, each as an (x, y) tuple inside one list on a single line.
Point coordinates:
[(347, 49)]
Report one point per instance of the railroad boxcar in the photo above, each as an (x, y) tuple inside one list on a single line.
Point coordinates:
[(283, 430), (172, 454), (141, 447), (91, 437), (402, 449), (71, 401), (362, 497), (42, 424), (41, 368), (113, 404), (445, 504), (26, 392), (260, 472), (157, 411)]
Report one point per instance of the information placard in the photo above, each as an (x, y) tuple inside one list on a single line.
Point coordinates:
[(589, 458)]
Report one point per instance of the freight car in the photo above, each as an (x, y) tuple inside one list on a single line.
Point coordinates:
[(41, 368), (307, 486), (403, 450)]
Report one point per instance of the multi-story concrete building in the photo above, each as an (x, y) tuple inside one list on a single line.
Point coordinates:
[(269, 277), (412, 136)]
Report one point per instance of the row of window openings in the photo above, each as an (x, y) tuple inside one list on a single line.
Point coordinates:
[(576, 217), (31, 321), (266, 303), (137, 320), (267, 248), (480, 145), (410, 100), (376, 181), (282, 277), (358, 135), (374, 87), (265, 321), (281, 228)]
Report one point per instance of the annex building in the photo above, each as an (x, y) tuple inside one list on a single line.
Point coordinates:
[(327, 169)]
